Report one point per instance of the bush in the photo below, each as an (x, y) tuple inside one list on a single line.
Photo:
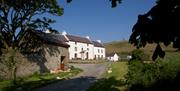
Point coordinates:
[(160, 75), (1, 78), (139, 55)]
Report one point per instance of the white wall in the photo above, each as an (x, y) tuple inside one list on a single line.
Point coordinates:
[(115, 57), (87, 48), (99, 53)]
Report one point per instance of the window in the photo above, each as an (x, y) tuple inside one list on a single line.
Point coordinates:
[(88, 49), (75, 43), (81, 49), (75, 49), (87, 44), (98, 50), (75, 55), (101, 51)]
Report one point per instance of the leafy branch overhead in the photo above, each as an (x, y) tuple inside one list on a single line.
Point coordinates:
[(113, 2), (161, 24), (18, 17)]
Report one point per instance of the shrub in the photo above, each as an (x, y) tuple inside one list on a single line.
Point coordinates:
[(139, 55), (160, 75)]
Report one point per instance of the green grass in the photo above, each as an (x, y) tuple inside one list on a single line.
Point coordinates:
[(36, 80), (119, 69), (113, 81), (87, 61)]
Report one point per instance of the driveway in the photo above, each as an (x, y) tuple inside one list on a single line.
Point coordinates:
[(81, 82)]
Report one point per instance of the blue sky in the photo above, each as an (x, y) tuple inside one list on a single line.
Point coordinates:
[(96, 18)]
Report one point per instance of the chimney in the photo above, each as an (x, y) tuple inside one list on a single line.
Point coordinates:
[(98, 41), (47, 31), (87, 37), (64, 33)]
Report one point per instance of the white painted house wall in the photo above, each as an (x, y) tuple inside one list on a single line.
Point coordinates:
[(77, 48), (115, 57), (99, 53)]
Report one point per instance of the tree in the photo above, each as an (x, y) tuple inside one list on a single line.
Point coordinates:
[(113, 2), (18, 18), (159, 25)]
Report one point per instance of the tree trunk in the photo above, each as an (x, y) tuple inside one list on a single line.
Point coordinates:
[(13, 65), (13, 76)]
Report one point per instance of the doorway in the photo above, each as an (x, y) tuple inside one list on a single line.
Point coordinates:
[(62, 62), (87, 55)]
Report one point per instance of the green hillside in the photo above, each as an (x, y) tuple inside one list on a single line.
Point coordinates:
[(125, 47), (119, 47)]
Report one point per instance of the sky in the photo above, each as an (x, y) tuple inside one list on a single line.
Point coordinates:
[(96, 18)]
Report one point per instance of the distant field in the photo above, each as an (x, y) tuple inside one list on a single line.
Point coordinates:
[(119, 47), (125, 47)]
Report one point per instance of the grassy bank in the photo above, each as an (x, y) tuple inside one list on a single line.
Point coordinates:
[(37, 80)]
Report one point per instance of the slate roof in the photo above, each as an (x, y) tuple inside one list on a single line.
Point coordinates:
[(110, 54), (78, 39), (97, 44), (55, 39)]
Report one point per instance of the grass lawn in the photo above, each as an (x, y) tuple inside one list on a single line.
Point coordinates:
[(113, 81), (86, 61), (36, 80), (119, 69)]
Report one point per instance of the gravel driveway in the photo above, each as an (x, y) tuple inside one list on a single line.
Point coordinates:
[(81, 82)]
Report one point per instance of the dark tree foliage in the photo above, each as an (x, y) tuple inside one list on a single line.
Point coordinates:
[(113, 2), (161, 24), (18, 17), (17, 20), (68, 1)]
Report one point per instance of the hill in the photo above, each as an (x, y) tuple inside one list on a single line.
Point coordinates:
[(119, 47), (123, 47)]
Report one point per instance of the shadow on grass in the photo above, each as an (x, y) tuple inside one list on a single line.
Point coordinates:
[(74, 84), (28, 86), (107, 84), (168, 84)]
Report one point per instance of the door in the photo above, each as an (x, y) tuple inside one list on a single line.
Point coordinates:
[(87, 55), (62, 62)]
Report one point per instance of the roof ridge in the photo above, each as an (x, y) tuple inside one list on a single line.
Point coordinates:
[(66, 37)]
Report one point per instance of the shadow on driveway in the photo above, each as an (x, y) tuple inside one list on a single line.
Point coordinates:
[(76, 84)]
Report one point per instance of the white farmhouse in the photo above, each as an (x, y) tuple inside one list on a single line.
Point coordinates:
[(84, 47), (112, 57), (99, 50)]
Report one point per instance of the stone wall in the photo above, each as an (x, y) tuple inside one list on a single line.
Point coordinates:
[(48, 59)]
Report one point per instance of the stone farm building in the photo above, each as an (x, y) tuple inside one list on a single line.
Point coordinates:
[(52, 55)]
